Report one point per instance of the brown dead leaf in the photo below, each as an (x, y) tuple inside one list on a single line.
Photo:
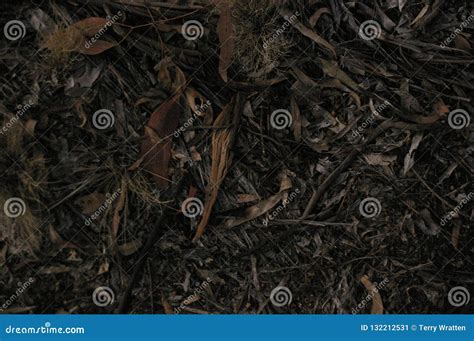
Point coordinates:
[(90, 26), (222, 141), (455, 235), (171, 76), (421, 14), (104, 267), (244, 198), (199, 105), (118, 209), (409, 160), (462, 43), (87, 28), (90, 203), (315, 17), (58, 240), (129, 248), (166, 306), (226, 33), (96, 48), (332, 69), (30, 126), (427, 224), (156, 148), (377, 159), (377, 304), (255, 211), (296, 116)]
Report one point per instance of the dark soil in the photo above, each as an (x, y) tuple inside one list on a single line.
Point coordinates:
[(300, 157)]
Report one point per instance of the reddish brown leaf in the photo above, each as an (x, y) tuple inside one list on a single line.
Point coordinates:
[(156, 147), (96, 48), (226, 33), (377, 304), (90, 26)]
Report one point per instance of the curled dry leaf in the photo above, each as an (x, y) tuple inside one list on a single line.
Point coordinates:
[(199, 105), (171, 77), (377, 304), (315, 17)]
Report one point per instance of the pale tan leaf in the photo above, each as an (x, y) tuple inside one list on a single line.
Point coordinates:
[(377, 304)]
